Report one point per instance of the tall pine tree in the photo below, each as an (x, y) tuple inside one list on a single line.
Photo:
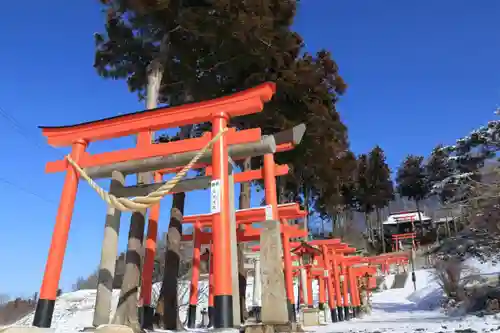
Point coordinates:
[(461, 163), (380, 185), (363, 192), (438, 168), (412, 181)]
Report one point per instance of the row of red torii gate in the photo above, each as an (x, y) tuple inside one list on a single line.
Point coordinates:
[(227, 225)]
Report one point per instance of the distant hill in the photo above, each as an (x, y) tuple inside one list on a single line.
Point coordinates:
[(14, 310)]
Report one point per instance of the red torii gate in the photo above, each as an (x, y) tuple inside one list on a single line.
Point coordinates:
[(250, 233), (357, 272), (268, 173), (199, 237), (398, 237), (217, 111), (333, 260), (154, 216), (333, 251), (385, 260), (346, 298)]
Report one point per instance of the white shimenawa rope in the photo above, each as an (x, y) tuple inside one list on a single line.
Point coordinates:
[(143, 202)]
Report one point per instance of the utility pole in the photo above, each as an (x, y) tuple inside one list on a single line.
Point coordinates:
[(412, 263)]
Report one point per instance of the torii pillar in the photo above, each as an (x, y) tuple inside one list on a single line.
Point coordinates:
[(48, 291), (223, 295)]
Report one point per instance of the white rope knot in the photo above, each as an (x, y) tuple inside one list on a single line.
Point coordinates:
[(143, 202)]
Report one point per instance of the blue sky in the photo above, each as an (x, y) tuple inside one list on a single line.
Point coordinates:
[(419, 73)]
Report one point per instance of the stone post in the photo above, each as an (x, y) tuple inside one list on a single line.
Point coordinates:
[(303, 284), (234, 255), (109, 253), (256, 300), (274, 301)]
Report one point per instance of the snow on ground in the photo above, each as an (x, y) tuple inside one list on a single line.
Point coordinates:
[(73, 311), (413, 322), (395, 310), (485, 268), (405, 310), (388, 281)]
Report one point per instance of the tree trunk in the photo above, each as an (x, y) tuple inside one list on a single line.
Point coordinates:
[(368, 226), (281, 190), (306, 208), (381, 230), (168, 294), (447, 227), (347, 220), (454, 221), (127, 312), (244, 202)]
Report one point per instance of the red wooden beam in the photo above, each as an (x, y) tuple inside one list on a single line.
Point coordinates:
[(404, 236), (400, 257), (248, 234), (358, 271), (305, 248), (234, 137), (340, 254), (317, 242), (334, 245), (239, 104), (390, 257), (389, 261), (285, 211), (284, 147), (247, 176), (167, 171)]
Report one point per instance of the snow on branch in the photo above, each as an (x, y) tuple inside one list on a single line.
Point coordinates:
[(463, 161)]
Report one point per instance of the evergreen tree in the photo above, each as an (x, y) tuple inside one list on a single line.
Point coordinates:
[(325, 141), (363, 192), (412, 181), (476, 187), (464, 161), (438, 169), (380, 185), (335, 195)]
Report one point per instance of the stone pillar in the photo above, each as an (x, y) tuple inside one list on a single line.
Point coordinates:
[(365, 302), (274, 301), (109, 253), (257, 288), (303, 284), (234, 255)]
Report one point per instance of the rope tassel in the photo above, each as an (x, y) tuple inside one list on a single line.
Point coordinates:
[(143, 202)]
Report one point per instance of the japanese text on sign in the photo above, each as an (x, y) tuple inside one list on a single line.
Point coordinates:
[(215, 196)]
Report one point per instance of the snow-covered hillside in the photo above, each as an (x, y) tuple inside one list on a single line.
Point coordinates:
[(405, 310), (394, 310)]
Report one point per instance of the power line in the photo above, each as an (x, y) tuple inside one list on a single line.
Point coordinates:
[(23, 189), (21, 130), (16, 126)]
